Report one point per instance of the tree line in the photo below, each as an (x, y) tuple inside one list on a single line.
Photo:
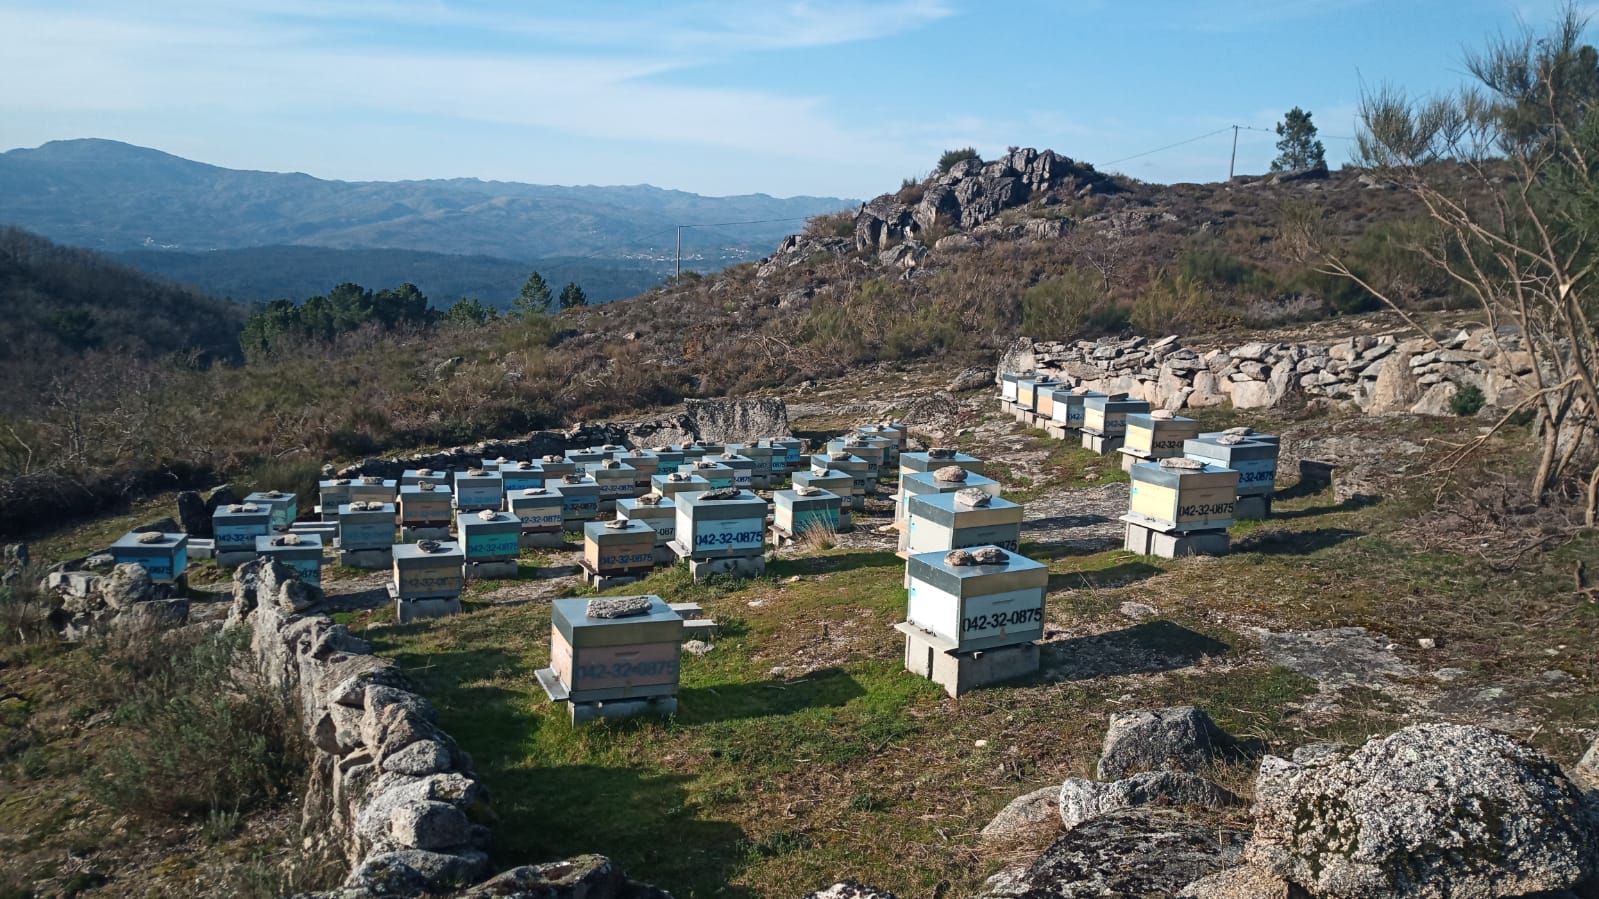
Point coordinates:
[(283, 323)]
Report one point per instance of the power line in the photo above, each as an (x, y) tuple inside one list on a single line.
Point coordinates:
[(1168, 146)]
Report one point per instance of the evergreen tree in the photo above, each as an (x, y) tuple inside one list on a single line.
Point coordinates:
[(1299, 148), (534, 298), (471, 311), (572, 296)]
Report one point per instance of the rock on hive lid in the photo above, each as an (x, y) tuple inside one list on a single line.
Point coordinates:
[(705, 463), (534, 491), (1231, 439), (610, 447), (721, 494), (276, 494), (840, 457), (244, 507), (501, 460), (152, 537), (1239, 432), (371, 479), (488, 515), (1181, 463), (730, 455), (475, 472), (552, 458), (327, 469), (942, 452), (573, 478), (616, 524), (365, 506), (951, 474), (806, 490), (286, 540), (610, 463), (524, 465), (426, 486), (1163, 415), (687, 444), (959, 557), (341, 481), (649, 499), (973, 498), (424, 472), (989, 555), (618, 607), (430, 546), (663, 448)]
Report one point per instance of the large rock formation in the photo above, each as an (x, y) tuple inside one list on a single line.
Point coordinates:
[(1433, 811), (972, 192)]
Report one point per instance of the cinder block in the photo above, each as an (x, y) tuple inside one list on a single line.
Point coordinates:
[(1256, 507), (408, 610), (961, 672), (368, 559)]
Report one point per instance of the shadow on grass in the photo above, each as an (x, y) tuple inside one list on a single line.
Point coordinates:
[(1146, 648), (640, 819), (1276, 542), (832, 563), (1314, 477), (827, 688), (1114, 576), (1042, 552), (1062, 522), (1351, 504)]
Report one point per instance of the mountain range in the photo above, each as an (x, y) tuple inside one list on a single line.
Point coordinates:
[(116, 197)]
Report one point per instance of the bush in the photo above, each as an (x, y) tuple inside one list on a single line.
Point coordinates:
[(950, 157), (1068, 306), (1467, 401), (202, 737)]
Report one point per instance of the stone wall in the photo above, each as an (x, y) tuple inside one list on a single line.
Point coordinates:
[(717, 420), (387, 788), (1379, 374)]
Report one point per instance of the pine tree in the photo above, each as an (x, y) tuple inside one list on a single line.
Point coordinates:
[(1299, 148), (572, 296), (534, 298)]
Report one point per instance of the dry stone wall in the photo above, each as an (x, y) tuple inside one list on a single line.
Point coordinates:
[(1380, 374)]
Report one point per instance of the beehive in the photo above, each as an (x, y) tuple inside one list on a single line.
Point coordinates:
[(669, 486), (692, 452), (760, 455), (429, 569), (781, 468), (477, 489), (646, 464), (494, 464), (1183, 495), (538, 509), (928, 482), (1255, 461), (521, 476), (977, 600), (714, 449), (1071, 409), (373, 489), (162, 556), (946, 521), (580, 497), (489, 535), (618, 548), (302, 552), (1026, 394), (1044, 396), (839, 483), (555, 468), (1271, 440), (806, 508), (601, 658), (794, 449), (235, 527), (743, 470), (585, 459), (660, 515), (1107, 415), (413, 476), (890, 429), (365, 524), (331, 494), (720, 523), (852, 465), (616, 480), (936, 458), (285, 506), (668, 459), (1007, 386), (715, 473), (1152, 434), (425, 505), (873, 452)]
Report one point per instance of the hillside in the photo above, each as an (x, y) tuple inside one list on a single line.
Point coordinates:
[(107, 195), (61, 303), (258, 274)]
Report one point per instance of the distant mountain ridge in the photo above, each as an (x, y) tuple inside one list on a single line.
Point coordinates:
[(111, 196)]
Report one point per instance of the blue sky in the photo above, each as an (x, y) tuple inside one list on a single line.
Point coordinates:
[(820, 97)]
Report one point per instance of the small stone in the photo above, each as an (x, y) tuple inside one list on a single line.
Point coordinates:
[(697, 647), (980, 743), (1427, 643)]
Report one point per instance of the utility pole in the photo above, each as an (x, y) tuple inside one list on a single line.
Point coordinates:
[(679, 269), (1234, 161)]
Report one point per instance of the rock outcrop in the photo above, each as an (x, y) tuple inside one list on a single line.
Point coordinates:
[(971, 193), (1433, 811), (1082, 800), (86, 602), (1182, 738)]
